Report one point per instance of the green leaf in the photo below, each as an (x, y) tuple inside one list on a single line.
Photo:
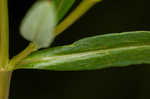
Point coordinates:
[(110, 50), (39, 23), (62, 7)]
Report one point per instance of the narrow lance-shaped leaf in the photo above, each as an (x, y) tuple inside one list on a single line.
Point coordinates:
[(110, 50), (39, 23), (62, 7)]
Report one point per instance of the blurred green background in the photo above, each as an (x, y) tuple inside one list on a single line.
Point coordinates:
[(110, 16)]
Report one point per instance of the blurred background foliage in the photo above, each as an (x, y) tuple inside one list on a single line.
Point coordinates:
[(110, 16)]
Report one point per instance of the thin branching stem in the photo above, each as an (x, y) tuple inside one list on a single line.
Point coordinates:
[(31, 47), (83, 7)]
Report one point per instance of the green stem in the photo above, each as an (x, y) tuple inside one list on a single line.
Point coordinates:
[(5, 77), (75, 15), (29, 49), (4, 32)]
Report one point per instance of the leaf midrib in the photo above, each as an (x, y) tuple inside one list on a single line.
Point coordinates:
[(77, 56)]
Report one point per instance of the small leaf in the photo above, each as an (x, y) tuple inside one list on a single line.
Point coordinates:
[(39, 23), (62, 7), (110, 50)]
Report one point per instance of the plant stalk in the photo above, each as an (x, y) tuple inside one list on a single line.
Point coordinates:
[(28, 50), (83, 7), (4, 32), (5, 77)]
